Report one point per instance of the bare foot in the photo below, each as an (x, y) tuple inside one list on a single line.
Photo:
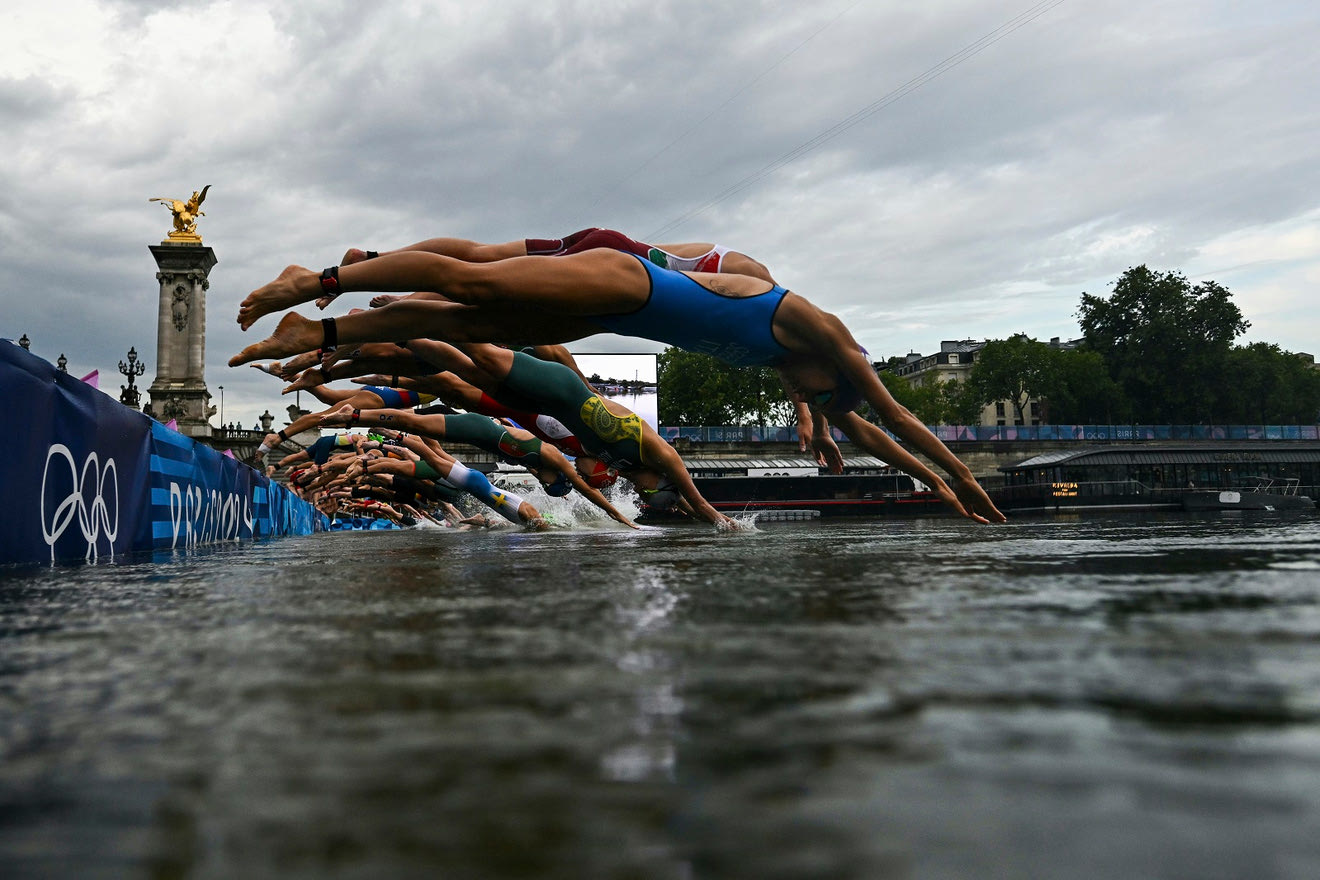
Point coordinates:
[(295, 365), (273, 368), (341, 417), (294, 334), (384, 299), (353, 255), (306, 380), (293, 286)]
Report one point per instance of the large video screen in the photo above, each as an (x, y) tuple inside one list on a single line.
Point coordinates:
[(628, 378)]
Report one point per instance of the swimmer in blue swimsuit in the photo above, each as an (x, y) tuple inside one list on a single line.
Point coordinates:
[(813, 431), (559, 299)]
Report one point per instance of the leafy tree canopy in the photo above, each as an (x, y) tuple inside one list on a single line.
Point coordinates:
[(697, 389), (1164, 341)]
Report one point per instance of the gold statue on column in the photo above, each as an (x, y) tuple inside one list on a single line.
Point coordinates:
[(185, 216)]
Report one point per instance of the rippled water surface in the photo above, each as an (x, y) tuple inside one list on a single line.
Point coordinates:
[(1133, 696)]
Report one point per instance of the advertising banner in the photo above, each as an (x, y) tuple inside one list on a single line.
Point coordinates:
[(88, 478)]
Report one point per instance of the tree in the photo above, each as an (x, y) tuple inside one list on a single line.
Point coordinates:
[(926, 401), (1269, 386), (696, 389), (1014, 369), (1164, 342), (1079, 391), (934, 403), (962, 404)]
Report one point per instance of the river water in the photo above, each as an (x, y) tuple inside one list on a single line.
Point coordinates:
[(1120, 696)]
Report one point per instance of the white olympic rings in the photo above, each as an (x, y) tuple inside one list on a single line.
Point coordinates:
[(93, 517)]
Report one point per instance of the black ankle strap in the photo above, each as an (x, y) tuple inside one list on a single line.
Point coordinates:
[(330, 282), (331, 332)]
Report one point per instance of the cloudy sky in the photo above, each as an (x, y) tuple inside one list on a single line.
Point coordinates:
[(945, 170)]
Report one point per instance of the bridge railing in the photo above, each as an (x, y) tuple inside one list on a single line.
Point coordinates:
[(992, 433)]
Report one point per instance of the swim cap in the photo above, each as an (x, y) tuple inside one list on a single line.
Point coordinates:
[(560, 487), (664, 498), (602, 476)]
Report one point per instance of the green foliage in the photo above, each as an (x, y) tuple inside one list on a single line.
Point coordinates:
[(1157, 351), (696, 389), (1078, 390), (1269, 386), (934, 403), (1014, 369), (1164, 342)]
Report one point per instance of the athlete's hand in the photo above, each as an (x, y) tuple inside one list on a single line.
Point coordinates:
[(976, 502)]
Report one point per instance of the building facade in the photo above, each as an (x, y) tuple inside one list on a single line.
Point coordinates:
[(953, 363)]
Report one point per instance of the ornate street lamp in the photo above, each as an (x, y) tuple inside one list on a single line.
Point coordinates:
[(25, 343), (62, 364), (128, 394)]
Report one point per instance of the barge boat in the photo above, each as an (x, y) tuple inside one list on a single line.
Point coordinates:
[(1174, 477)]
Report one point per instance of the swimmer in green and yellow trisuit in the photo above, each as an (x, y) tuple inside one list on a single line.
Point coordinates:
[(461, 383), (608, 431)]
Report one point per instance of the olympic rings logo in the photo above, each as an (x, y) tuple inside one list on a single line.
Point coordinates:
[(93, 517)]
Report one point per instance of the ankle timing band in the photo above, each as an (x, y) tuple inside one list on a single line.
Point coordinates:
[(331, 332), (330, 282)]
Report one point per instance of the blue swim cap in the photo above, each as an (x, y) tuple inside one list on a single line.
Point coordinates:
[(560, 487)]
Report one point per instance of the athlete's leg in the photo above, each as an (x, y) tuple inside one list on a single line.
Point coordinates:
[(735, 263), (599, 281), (331, 397), (396, 419), (404, 320), (458, 248)]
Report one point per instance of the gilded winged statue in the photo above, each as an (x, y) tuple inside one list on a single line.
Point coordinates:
[(186, 213)]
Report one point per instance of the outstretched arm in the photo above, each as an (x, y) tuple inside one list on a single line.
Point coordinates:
[(814, 433), (660, 456), (882, 446), (825, 334), (556, 459), (972, 500)]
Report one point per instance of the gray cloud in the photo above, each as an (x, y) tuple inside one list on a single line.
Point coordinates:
[(1097, 137)]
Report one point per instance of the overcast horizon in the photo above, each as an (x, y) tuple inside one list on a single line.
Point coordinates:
[(950, 171)]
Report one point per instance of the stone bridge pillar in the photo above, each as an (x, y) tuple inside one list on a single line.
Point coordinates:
[(179, 390)]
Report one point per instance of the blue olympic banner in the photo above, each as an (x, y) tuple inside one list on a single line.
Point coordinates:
[(88, 478)]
